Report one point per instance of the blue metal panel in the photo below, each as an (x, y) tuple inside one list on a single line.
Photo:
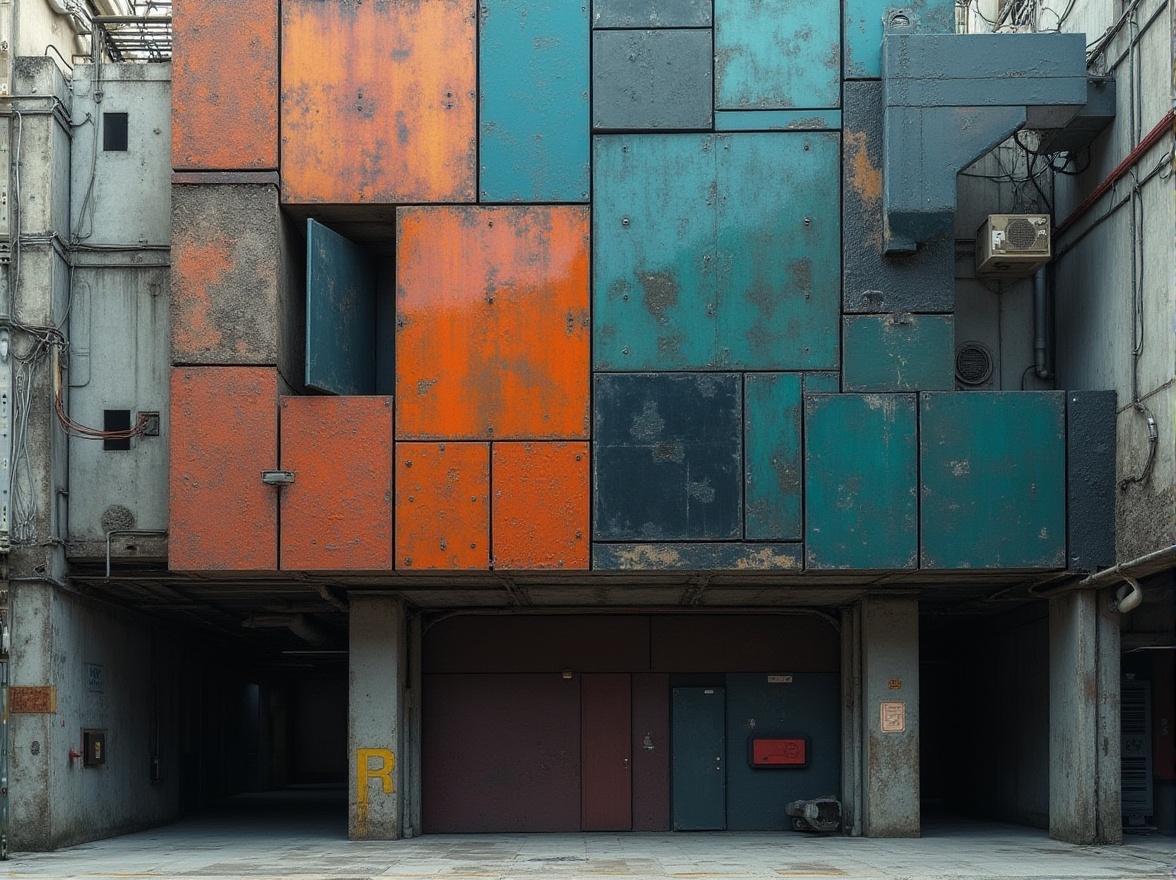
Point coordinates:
[(759, 705), (653, 235), (667, 458), (698, 778), (652, 79), (533, 67), (777, 54), (901, 352), (702, 557), (651, 13), (1090, 478), (863, 30), (860, 481), (340, 314), (779, 250), (822, 383), (993, 475), (777, 120), (772, 466)]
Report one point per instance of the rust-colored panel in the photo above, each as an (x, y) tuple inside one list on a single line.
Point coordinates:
[(378, 101), (540, 505), (337, 515), (224, 433), (442, 505), (492, 329), (225, 85)]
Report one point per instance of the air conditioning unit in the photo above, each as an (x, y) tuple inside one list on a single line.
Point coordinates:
[(1013, 245)]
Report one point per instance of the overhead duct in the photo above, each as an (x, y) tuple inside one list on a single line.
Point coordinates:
[(299, 624)]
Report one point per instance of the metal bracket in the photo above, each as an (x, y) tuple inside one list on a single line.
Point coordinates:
[(277, 478)]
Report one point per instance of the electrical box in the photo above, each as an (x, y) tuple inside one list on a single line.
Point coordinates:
[(1013, 245), (93, 748), (789, 751)]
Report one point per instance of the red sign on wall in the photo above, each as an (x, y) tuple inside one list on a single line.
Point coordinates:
[(788, 752)]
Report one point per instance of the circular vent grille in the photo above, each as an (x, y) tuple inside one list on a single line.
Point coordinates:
[(973, 364), (1021, 234)]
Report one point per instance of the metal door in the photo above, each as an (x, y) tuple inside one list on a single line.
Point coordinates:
[(605, 737), (699, 795)]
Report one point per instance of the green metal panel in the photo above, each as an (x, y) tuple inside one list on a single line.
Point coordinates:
[(533, 87), (777, 54), (340, 314), (993, 479), (777, 120), (822, 383), (698, 781), (779, 250), (900, 352), (771, 464), (860, 475), (863, 30)]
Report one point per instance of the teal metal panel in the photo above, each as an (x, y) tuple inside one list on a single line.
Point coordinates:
[(779, 250), (993, 479), (654, 283), (777, 54), (860, 499), (716, 252), (697, 752), (901, 352), (771, 462), (777, 120), (863, 30), (822, 383), (533, 65), (651, 13), (340, 314)]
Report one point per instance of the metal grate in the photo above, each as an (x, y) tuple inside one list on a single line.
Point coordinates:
[(1135, 727), (1021, 234), (144, 36), (973, 364)]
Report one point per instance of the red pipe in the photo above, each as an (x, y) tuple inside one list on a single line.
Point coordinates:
[(1121, 169)]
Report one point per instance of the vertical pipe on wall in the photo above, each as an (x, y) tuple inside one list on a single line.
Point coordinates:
[(1042, 329)]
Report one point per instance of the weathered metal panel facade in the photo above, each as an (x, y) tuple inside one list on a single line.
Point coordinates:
[(993, 479), (340, 314), (651, 79), (540, 505), (861, 478), (651, 13), (1090, 479), (772, 456), (901, 352), (442, 505), (533, 62), (863, 30)]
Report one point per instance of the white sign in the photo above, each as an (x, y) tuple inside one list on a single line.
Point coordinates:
[(96, 680)]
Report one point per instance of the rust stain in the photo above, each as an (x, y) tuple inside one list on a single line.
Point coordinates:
[(442, 518), (200, 268), (648, 556), (540, 506), (661, 292), (338, 513), (864, 176)]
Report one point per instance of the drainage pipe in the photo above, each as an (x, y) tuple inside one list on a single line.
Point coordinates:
[(1042, 332)]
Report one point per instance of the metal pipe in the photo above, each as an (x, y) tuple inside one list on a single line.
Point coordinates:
[(1041, 328), (1162, 558), (1128, 596)]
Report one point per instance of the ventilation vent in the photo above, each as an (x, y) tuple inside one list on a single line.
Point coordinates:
[(973, 364)]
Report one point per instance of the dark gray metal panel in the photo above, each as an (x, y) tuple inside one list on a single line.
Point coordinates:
[(1090, 478), (873, 281), (1090, 121), (807, 704), (652, 79), (340, 314), (698, 777), (724, 556), (667, 463), (651, 13)]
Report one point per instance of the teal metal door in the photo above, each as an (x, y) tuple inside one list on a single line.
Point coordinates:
[(699, 787)]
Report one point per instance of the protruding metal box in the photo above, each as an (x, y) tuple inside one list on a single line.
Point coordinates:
[(993, 479), (861, 479), (337, 514), (772, 459), (442, 505), (224, 433), (652, 79), (667, 463), (901, 352), (1090, 479), (863, 30), (540, 504), (492, 335)]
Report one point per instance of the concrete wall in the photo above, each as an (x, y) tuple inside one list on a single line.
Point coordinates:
[(36, 26)]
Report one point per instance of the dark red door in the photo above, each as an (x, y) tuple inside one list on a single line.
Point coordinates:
[(605, 737)]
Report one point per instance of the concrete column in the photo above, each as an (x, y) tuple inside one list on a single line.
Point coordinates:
[(890, 717), (375, 718), (1085, 776), (851, 720)]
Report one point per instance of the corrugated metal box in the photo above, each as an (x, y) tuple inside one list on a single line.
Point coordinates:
[(534, 65), (772, 462), (993, 472), (224, 433), (667, 462), (225, 86), (860, 479), (901, 352), (492, 335), (442, 505), (777, 54), (539, 506), (337, 514), (378, 101), (652, 79)]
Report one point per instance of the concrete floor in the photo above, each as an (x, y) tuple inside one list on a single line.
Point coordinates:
[(302, 835)]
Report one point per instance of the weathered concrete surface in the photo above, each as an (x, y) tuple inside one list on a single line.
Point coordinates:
[(376, 720), (1084, 755), (890, 700)]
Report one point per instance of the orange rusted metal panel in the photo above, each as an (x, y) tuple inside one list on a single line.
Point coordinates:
[(539, 505), (337, 515), (492, 328), (224, 433), (442, 505), (225, 85), (378, 101)]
